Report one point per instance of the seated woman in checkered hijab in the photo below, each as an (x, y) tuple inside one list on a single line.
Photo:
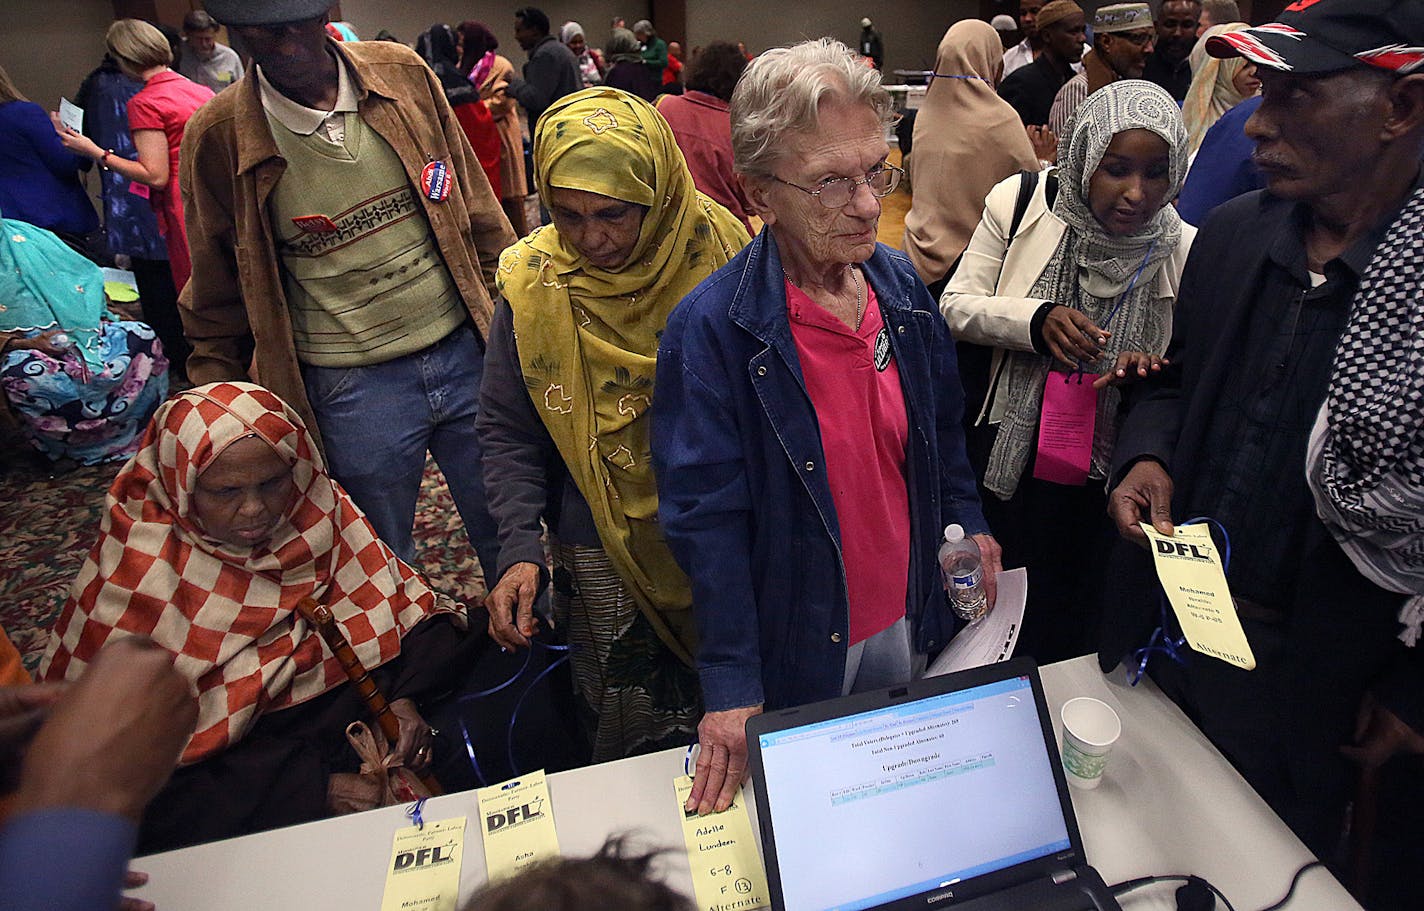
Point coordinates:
[(214, 531)]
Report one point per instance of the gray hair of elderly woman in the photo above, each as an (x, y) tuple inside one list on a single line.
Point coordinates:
[(781, 92)]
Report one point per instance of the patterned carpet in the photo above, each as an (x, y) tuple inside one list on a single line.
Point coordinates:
[(47, 526)]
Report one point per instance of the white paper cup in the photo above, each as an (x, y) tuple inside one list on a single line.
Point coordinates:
[(1090, 728)]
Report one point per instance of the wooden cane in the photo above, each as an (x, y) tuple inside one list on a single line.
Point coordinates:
[(318, 616)]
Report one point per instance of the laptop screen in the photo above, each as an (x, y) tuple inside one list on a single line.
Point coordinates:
[(881, 805)]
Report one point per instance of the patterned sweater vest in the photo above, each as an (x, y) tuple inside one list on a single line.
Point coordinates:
[(364, 279)]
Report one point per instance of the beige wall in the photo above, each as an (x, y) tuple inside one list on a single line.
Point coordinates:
[(408, 19), (911, 28), (48, 47)]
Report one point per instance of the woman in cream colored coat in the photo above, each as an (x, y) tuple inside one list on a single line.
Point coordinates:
[(1085, 287)]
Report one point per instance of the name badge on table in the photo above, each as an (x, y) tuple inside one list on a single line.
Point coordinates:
[(517, 821), (1065, 429), (436, 181), (424, 873), (722, 851)]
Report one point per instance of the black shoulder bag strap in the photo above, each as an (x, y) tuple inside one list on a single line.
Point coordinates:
[(1028, 182)]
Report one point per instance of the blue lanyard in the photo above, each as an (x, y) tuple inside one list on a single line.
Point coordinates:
[(565, 651), (1173, 647), (954, 76), (415, 813), (1112, 314)]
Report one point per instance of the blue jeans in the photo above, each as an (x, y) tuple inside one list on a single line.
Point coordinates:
[(885, 659), (378, 422)]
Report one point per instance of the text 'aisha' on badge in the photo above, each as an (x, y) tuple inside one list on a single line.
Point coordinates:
[(882, 349), (314, 224), (436, 181), (517, 822)]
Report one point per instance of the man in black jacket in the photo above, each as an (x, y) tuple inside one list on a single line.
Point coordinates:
[(1032, 88), (552, 71), (1273, 280), (1169, 65)]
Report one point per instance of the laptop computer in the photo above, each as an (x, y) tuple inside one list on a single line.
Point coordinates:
[(942, 793)]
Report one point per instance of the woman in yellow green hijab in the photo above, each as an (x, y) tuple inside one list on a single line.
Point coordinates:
[(564, 408)]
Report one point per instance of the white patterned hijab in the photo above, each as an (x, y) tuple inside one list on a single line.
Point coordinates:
[(1129, 104), (1091, 270)]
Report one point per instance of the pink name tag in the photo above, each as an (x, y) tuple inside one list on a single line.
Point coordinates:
[(1065, 429), (141, 190)]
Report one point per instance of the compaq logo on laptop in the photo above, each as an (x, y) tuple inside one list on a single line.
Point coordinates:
[(946, 895)]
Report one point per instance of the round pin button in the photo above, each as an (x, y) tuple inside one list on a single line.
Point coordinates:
[(436, 181)]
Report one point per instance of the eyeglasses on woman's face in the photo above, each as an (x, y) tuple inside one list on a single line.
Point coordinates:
[(837, 192)]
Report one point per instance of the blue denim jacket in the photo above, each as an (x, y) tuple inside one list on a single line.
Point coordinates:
[(743, 496)]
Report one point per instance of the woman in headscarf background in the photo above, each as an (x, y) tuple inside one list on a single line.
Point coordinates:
[(626, 69), (1080, 301), (590, 61), (564, 411), (1217, 86), (438, 47), (214, 531), (81, 382), (967, 139), (490, 73)]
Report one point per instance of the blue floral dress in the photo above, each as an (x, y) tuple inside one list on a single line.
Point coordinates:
[(69, 410)]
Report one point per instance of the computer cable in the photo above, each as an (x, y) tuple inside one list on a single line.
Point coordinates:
[(1295, 881), (1191, 886), (1188, 895)]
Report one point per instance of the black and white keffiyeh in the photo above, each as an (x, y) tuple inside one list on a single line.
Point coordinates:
[(1365, 462)]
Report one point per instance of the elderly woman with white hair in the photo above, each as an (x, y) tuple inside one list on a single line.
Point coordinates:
[(806, 439)]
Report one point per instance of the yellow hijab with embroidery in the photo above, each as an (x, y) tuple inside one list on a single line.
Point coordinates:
[(588, 337)]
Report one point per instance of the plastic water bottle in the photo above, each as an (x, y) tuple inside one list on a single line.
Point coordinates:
[(963, 574)]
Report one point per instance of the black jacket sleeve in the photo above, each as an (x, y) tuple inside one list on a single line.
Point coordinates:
[(517, 448)]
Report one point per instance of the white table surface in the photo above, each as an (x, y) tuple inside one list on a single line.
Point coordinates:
[(1169, 804)]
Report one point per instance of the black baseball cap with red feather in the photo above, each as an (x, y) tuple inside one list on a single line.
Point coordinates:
[(1326, 36)]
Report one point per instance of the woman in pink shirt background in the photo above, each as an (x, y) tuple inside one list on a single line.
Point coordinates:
[(157, 116)]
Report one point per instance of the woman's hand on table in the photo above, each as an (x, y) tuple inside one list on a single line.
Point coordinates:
[(415, 744), (511, 606), (1131, 366), (721, 760), (1072, 338)]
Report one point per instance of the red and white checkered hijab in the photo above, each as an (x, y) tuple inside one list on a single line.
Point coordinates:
[(227, 612)]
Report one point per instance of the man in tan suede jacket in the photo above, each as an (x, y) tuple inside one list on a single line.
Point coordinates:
[(344, 240)]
